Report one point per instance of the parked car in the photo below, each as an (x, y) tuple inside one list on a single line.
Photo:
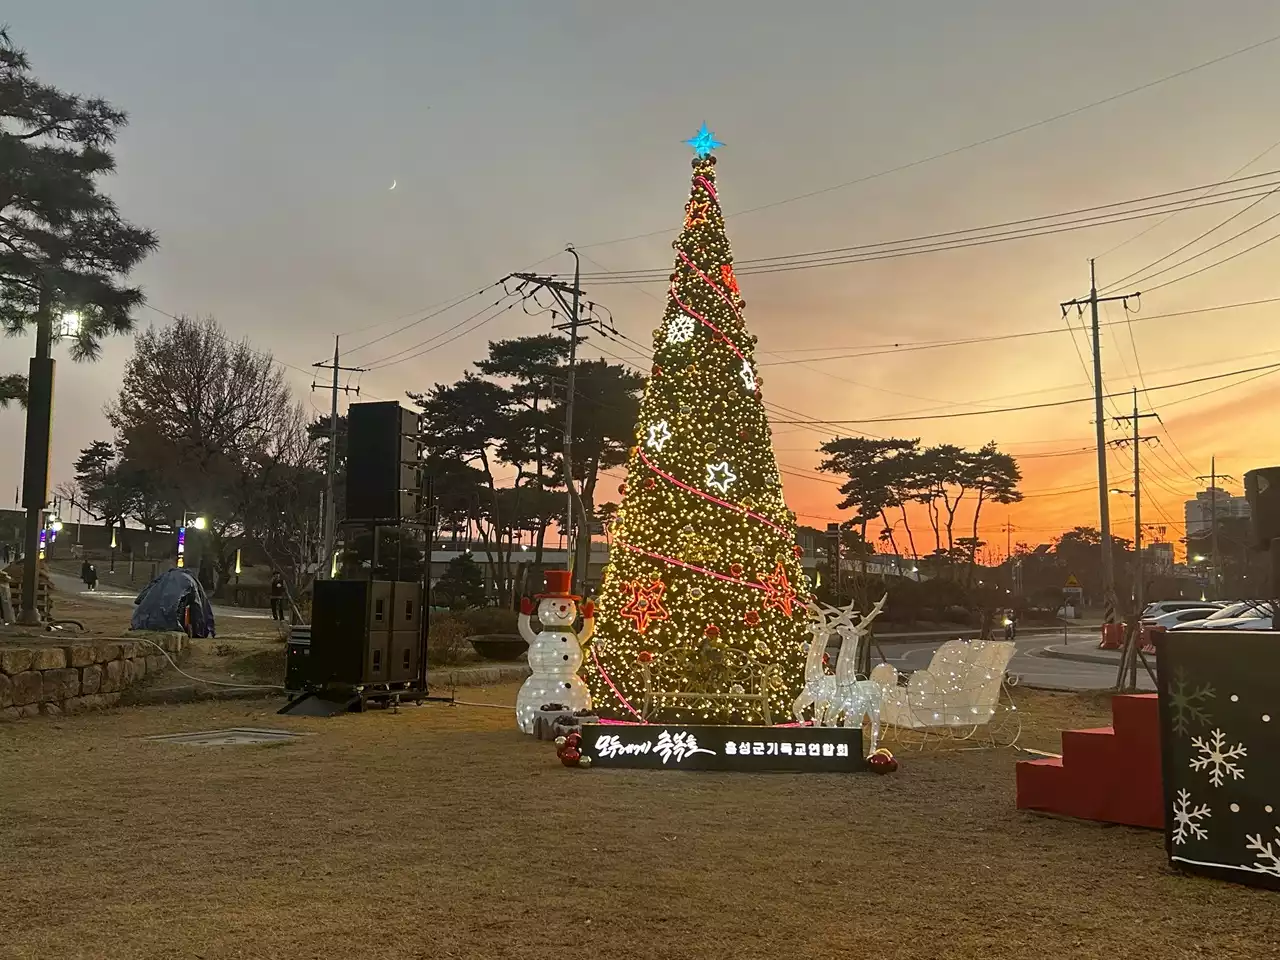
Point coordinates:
[(1161, 607), (1227, 617), (1177, 617)]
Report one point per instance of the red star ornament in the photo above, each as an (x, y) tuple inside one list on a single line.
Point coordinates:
[(778, 589), (697, 213), (644, 604)]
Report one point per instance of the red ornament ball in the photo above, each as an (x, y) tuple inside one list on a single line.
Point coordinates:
[(882, 761), (736, 569), (650, 483), (712, 631), (569, 757), (744, 434), (573, 741), (751, 618), (798, 551), (674, 277), (645, 656), (657, 370)]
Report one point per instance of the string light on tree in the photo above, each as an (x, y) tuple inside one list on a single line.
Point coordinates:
[(700, 613)]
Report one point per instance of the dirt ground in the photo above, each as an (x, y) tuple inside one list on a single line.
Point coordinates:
[(439, 831)]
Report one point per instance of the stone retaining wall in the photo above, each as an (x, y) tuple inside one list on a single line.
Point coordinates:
[(57, 678)]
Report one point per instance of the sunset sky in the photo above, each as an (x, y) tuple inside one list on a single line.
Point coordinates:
[(263, 140)]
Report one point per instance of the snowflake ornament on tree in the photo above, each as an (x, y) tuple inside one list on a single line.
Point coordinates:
[(1216, 757), (681, 329), (1187, 819)]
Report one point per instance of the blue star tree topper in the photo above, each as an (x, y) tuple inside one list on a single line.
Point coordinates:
[(704, 142)]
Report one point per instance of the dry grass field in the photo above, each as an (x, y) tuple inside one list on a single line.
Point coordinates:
[(439, 831)]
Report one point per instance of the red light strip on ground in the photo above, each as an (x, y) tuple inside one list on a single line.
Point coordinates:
[(707, 496)]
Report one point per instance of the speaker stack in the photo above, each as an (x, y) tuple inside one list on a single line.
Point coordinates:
[(368, 637)]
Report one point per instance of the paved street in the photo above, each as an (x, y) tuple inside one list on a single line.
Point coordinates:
[(71, 586), (1032, 670)]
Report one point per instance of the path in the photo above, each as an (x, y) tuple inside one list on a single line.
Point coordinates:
[(1032, 667), (114, 595)]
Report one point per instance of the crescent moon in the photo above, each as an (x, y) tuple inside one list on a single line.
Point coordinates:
[(393, 185)]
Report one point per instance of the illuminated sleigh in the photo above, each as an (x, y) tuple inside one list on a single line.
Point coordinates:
[(964, 688), (707, 674)]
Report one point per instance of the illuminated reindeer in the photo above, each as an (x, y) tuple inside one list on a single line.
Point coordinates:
[(819, 686), (854, 698)]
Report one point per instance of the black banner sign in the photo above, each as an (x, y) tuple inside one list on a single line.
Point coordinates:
[(747, 749), (1220, 735)]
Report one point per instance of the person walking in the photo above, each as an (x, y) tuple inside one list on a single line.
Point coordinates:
[(91, 576), (277, 596)]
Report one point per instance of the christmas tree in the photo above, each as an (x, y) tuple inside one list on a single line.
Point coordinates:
[(701, 616)]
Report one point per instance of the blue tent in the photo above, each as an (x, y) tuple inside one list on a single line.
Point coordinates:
[(167, 602)]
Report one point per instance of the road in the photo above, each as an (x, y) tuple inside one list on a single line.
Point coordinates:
[(71, 586), (1032, 670)]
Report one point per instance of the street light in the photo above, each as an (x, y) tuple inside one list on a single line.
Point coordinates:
[(187, 520), (70, 323)]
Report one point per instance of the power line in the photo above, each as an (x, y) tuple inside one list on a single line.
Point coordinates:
[(1195, 273), (408, 353), (1268, 368), (876, 350), (976, 143), (891, 250)]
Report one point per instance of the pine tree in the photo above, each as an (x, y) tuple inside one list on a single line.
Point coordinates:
[(701, 615)]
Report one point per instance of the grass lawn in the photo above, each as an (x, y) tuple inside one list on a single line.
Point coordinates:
[(442, 832)]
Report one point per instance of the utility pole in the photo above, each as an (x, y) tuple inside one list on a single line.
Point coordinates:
[(1099, 419), (1127, 679), (35, 468), (1214, 556), (569, 297), (331, 478)]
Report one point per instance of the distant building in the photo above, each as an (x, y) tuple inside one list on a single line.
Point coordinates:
[(1199, 510), (1159, 558)]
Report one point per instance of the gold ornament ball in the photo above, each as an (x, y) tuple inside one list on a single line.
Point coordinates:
[(561, 741), (584, 761)]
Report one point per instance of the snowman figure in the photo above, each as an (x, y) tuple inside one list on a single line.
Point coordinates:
[(555, 654)]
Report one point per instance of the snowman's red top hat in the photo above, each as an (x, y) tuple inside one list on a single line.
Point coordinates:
[(557, 582)]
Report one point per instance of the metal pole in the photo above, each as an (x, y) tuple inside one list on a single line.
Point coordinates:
[(568, 423), (1137, 507), (1104, 507), (35, 475), (330, 514), (1213, 524)]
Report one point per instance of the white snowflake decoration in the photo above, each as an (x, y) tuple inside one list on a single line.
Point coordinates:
[(1188, 703), (720, 476), (1187, 818), (748, 376), (1268, 858), (681, 329), (1219, 759), (659, 434)]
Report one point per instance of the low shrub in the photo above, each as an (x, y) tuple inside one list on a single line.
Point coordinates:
[(447, 640), (482, 620)]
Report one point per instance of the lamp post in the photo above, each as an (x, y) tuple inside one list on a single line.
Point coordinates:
[(198, 523)]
